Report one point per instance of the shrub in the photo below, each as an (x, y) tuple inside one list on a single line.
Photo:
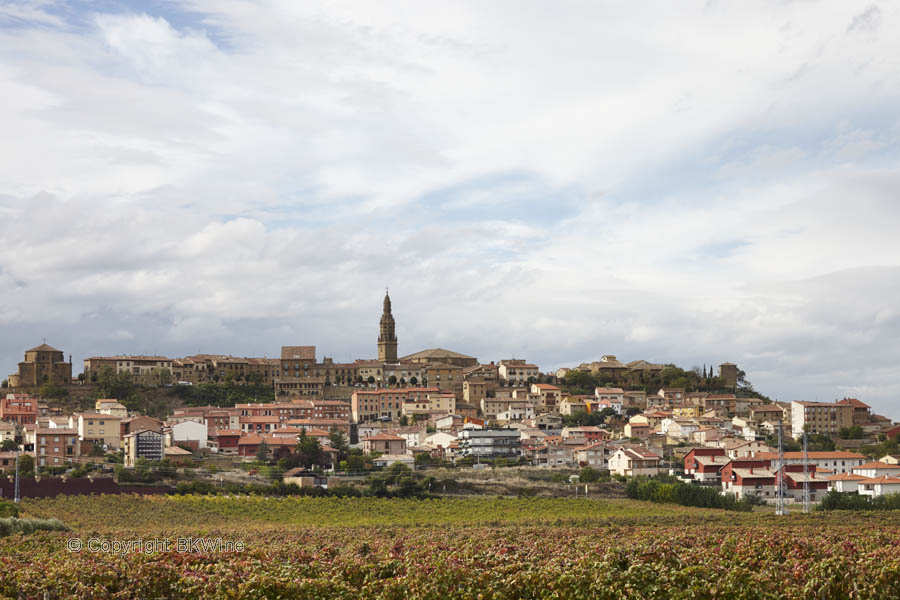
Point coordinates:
[(12, 525), (668, 490), (8, 509)]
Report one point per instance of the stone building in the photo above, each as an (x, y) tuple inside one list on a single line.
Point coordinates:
[(387, 338), (42, 364), (728, 372)]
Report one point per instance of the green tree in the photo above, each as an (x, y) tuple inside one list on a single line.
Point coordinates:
[(371, 379), (53, 391), (818, 442), (4, 384), (262, 453), (26, 465), (356, 463), (392, 380), (338, 441), (8, 445), (97, 449), (588, 475), (413, 380), (854, 432), (255, 378), (117, 385), (309, 450), (579, 382), (423, 459)]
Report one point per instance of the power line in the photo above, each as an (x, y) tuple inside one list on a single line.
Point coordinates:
[(779, 475), (806, 473)]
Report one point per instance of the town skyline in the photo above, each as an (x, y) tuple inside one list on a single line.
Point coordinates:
[(322, 353)]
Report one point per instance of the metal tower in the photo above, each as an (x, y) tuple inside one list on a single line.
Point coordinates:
[(16, 497), (805, 473), (779, 476)]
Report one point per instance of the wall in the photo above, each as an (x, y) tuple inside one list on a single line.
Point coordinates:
[(48, 487)]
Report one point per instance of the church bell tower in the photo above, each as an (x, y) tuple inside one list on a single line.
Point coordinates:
[(387, 339)]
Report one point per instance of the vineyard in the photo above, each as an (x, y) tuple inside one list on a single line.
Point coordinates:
[(452, 548)]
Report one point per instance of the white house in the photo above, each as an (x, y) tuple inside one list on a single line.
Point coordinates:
[(839, 462), (440, 440), (190, 431), (8, 431), (414, 436), (386, 460), (517, 413), (880, 486), (845, 482), (877, 469), (634, 461), (736, 448)]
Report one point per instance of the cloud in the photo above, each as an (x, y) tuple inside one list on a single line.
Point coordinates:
[(868, 21), (681, 184)]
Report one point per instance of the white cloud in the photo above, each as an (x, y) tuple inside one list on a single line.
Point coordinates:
[(674, 183)]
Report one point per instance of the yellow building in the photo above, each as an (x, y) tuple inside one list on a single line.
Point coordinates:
[(97, 427), (687, 411)]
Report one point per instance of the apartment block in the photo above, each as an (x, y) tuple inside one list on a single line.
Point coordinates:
[(820, 417)]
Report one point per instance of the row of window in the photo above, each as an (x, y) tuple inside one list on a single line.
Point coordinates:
[(70, 440), (43, 451)]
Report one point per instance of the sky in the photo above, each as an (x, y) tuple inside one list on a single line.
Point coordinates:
[(681, 182)]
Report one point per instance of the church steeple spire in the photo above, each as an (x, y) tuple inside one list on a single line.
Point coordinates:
[(387, 339)]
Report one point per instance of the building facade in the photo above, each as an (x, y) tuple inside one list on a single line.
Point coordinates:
[(489, 443), (20, 409), (97, 428), (147, 444), (820, 417), (42, 364), (144, 370), (54, 447)]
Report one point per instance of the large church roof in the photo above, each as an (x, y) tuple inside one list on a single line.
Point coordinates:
[(43, 348), (437, 353)]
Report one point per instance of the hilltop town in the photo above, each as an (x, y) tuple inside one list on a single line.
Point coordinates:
[(321, 420)]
